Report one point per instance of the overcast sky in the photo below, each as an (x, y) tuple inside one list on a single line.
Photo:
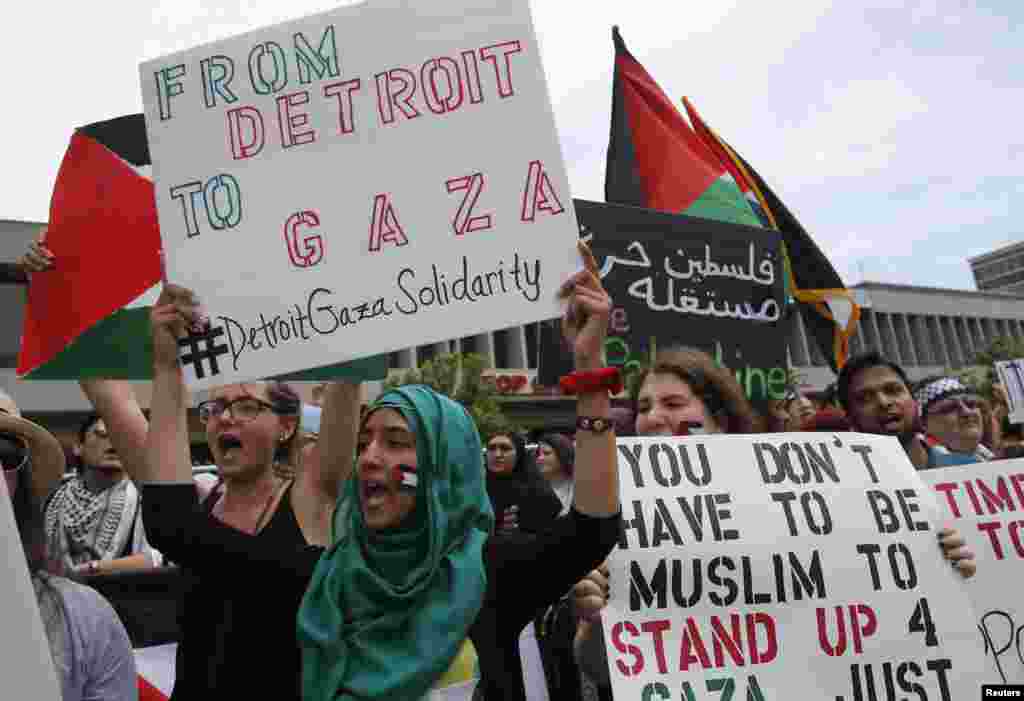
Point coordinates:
[(891, 129)]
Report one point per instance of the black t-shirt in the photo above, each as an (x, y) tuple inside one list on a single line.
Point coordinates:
[(242, 594)]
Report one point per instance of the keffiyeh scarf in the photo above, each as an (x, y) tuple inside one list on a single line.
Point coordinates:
[(82, 526), (940, 389)]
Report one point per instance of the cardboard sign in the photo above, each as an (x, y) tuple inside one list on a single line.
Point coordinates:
[(986, 503), (1011, 374), (678, 280), (357, 182), (26, 667), (800, 565)]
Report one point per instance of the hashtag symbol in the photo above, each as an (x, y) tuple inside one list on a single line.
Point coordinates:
[(210, 351)]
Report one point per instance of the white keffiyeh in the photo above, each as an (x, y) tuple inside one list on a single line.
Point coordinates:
[(82, 526), (940, 389)]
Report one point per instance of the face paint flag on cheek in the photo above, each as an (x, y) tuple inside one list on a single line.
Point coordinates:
[(406, 476)]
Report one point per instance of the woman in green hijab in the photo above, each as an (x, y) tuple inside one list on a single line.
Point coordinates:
[(392, 602)]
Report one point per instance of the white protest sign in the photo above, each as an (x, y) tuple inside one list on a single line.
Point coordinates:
[(1011, 374), (359, 181), (26, 668), (986, 503), (802, 565)]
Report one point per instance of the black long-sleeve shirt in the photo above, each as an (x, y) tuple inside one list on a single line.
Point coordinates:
[(526, 573)]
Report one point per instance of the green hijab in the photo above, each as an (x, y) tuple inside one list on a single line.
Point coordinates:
[(386, 612)]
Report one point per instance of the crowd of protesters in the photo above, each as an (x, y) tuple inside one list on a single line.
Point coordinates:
[(384, 551)]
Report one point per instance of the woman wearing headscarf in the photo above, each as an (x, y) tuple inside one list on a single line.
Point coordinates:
[(414, 571), (521, 497)]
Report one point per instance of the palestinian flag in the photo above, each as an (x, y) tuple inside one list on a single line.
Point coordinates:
[(655, 160), (828, 308), (89, 317), (156, 667)]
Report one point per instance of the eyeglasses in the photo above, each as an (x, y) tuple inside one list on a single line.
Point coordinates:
[(14, 452), (966, 402), (242, 409)]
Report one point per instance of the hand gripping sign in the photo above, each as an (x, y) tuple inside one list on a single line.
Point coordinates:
[(802, 565), (357, 182)]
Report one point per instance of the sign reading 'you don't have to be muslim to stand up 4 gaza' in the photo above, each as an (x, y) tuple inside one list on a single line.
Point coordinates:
[(359, 181), (783, 566)]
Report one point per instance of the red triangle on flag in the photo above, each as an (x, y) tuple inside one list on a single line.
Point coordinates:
[(102, 218), (674, 166)]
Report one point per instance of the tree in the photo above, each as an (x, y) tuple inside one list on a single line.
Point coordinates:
[(982, 375), (1003, 348), (460, 376)]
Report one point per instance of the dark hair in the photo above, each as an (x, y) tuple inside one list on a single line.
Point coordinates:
[(714, 385), (563, 448), (524, 461), (864, 361), (83, 429), (286, 402)]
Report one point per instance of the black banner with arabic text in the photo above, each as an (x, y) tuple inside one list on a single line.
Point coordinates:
[(679, 280)]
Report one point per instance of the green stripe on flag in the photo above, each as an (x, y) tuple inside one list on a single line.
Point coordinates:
[(118, 347), (724, 201)]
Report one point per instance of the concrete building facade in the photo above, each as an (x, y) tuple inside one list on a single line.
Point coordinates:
[(1001, 270), (927, 330)]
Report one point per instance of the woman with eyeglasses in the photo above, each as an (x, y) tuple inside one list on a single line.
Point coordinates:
[(91, 652), (248, 546), (952, 417)]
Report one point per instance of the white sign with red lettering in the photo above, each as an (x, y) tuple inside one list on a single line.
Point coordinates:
[(986, 503), (801, 565), (359, 181)]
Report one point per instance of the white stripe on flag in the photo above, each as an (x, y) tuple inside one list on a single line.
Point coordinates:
[(156, 665)]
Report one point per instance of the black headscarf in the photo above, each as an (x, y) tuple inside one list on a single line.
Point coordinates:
[(523, 486)]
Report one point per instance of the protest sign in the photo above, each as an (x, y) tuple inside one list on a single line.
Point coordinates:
[(800, 565), (359, 181), (1011, 374), (985, 502), (26, 669), (678, 280)]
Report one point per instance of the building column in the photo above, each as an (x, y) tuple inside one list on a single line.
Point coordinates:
[(876, 334), (893, 350), (979, 333), (516, 340), (407, 358), (940, 351), (954, 342), (969, 345), (988, 329), (799, 352), (905, 338), (919, 332), (1018, 328), (485, 346)]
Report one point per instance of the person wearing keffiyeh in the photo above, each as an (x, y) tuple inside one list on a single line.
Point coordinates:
[(952, 418), (94, 520)]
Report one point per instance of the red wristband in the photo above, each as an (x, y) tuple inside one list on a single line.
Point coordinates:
[(585, 381)]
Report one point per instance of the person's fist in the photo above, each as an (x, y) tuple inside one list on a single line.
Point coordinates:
[(38, 258), (590, 594), (955, 549)]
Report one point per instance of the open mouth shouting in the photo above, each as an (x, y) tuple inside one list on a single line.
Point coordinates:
[(229, 444)]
